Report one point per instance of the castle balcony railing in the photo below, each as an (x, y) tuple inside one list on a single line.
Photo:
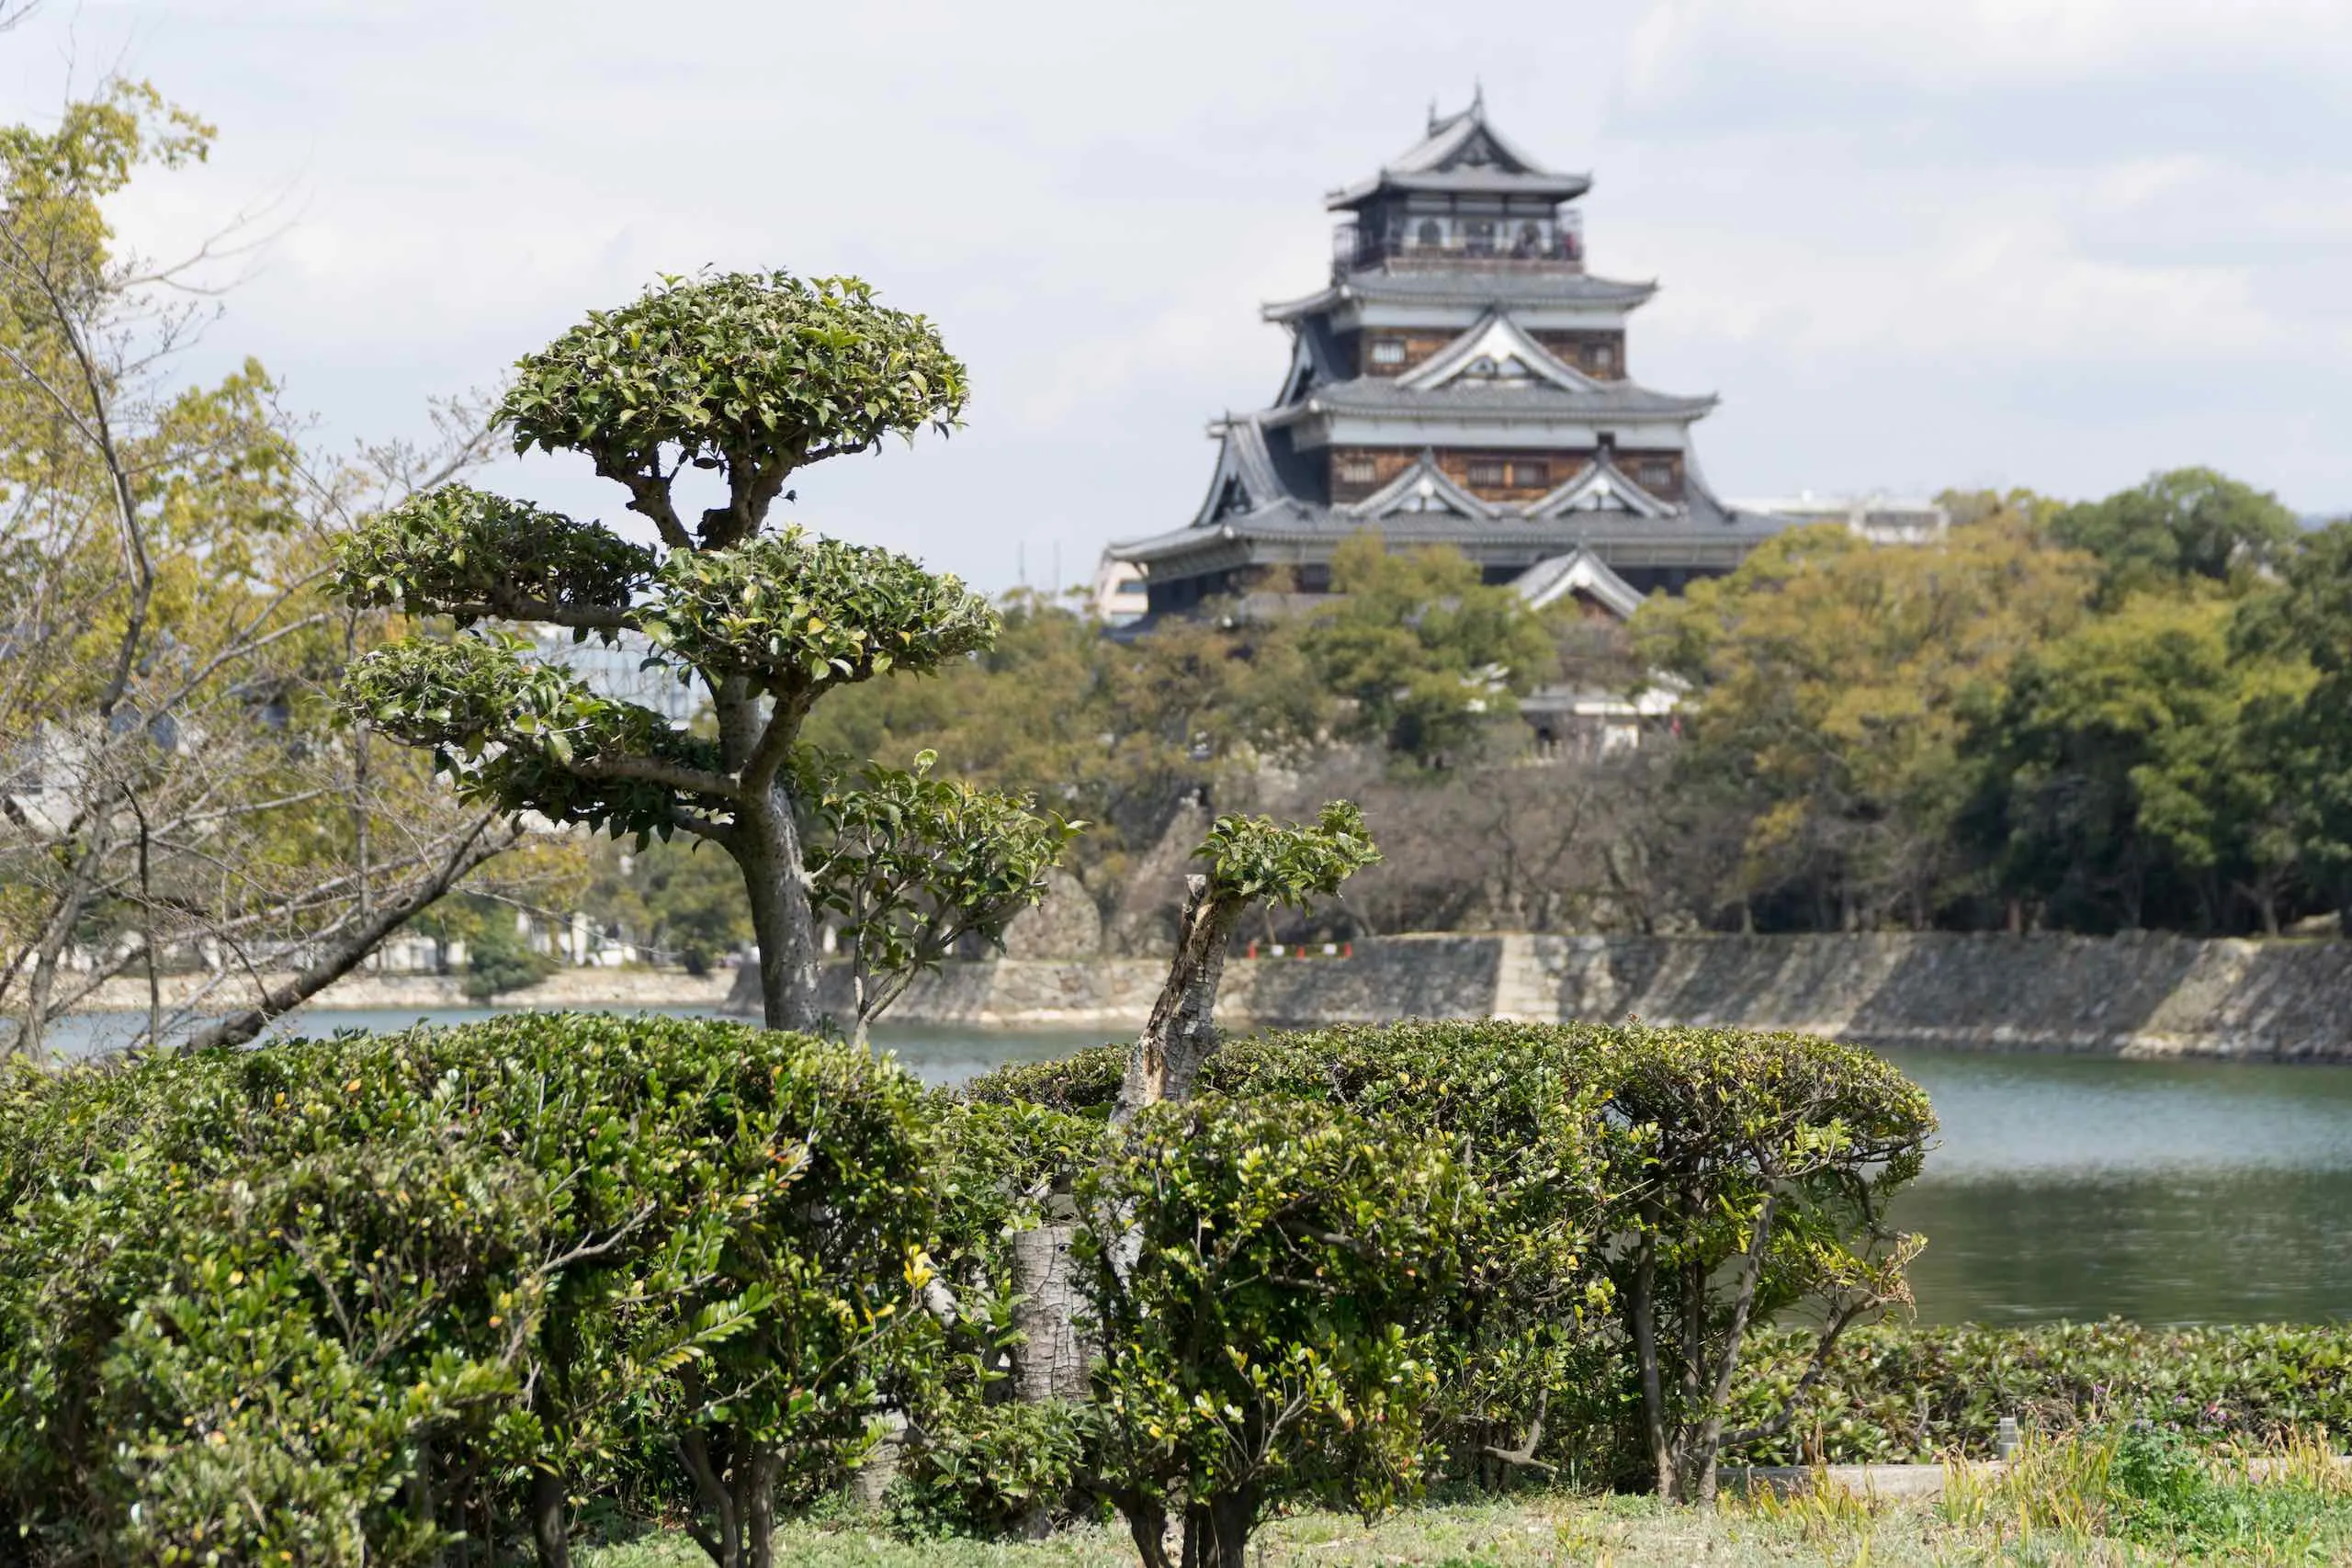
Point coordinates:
[(1459, 247)]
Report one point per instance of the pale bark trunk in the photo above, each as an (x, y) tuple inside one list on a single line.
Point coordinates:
[(1050, 1363), (767, 848), (1181, 1033), (1646, 1350), (1708, 1444)]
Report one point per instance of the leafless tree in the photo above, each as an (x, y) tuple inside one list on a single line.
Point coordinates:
[(176, 788)]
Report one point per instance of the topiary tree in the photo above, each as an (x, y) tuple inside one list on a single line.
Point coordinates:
[(747, 377), (1248, 858), (1749, 1175), (1268, 1280)]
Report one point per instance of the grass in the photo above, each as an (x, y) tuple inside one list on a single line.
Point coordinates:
[(2139, 1497)]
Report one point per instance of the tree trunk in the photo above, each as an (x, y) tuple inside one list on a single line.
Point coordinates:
[(756, 1478), (1051, 1362), (1646, 1350), (549, 1533), (1181, 1033), (1148, 1523), (1216, 1532), (1708, 1443), (768, 850)]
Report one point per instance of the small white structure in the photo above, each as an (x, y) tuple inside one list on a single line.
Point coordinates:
[(1580, 723), (618, 670), (1118, 594), (1881, 518)]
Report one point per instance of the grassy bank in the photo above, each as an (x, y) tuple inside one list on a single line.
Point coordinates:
[(2129, 1497)]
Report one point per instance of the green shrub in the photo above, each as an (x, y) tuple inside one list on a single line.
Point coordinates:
[(1597, 1149), (1529, 1365), (498, 960), (340, 1301), (1084, 1081), (990, 1469), (1268, 1280), (1749, 1173), (1893, 1392)]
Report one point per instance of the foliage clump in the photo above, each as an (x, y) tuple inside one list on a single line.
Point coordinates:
[(1269, 1281), (1648, 1198), (360, 1299)]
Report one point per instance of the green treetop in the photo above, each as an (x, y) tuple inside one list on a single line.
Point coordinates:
[(2187, 523), (747, 378)]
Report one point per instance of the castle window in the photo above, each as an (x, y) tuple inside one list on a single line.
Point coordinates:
[(1488, 471), (1357, 471), (1431, 234), (1530, 476), (1656, 475), (1480, 241), (1388, 351), (1603, 357)]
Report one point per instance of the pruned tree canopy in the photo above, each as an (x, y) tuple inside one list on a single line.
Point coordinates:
[(749, 377)]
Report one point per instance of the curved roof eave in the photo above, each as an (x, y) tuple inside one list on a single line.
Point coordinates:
[(1457, 182), (1489, 291)]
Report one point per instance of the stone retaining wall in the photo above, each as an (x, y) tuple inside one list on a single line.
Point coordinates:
[(2138, 996), (564, 988)]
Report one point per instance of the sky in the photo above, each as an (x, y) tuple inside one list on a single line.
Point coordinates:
[(2054, 243)]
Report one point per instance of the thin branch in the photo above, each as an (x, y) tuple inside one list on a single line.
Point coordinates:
[(478, 846)]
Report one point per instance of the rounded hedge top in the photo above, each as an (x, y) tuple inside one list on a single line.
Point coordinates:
[(735, 366)]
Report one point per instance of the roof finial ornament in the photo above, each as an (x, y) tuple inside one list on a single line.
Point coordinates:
[(1478, 97), (1432, 114)]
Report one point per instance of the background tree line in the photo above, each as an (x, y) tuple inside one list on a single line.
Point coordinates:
[(2131, 713)]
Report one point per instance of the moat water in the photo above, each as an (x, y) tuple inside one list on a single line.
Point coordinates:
[(2060, 1187)]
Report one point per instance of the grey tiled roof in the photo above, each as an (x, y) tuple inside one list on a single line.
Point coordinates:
[(1446, 160), (1298, 523), (1464, 286), (1481, 182), (1527, 398)]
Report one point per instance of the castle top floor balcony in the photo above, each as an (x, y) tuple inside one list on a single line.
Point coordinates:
[(1435, 242)]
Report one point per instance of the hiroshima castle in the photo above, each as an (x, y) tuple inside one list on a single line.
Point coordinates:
[(1462, 380)]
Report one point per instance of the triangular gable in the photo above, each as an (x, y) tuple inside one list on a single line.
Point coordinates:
[(1465, 139), (1578, 572), (1496, 351), (1424, 487), (1312, 363), (1244, 479), (1600, 485)]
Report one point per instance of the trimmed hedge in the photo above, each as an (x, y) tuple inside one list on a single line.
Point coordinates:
[(1908, 1393), (1892, 1391), (382, 1298), (1580, 1139)]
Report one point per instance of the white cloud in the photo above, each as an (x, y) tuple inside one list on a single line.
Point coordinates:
[(2075, 241)]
